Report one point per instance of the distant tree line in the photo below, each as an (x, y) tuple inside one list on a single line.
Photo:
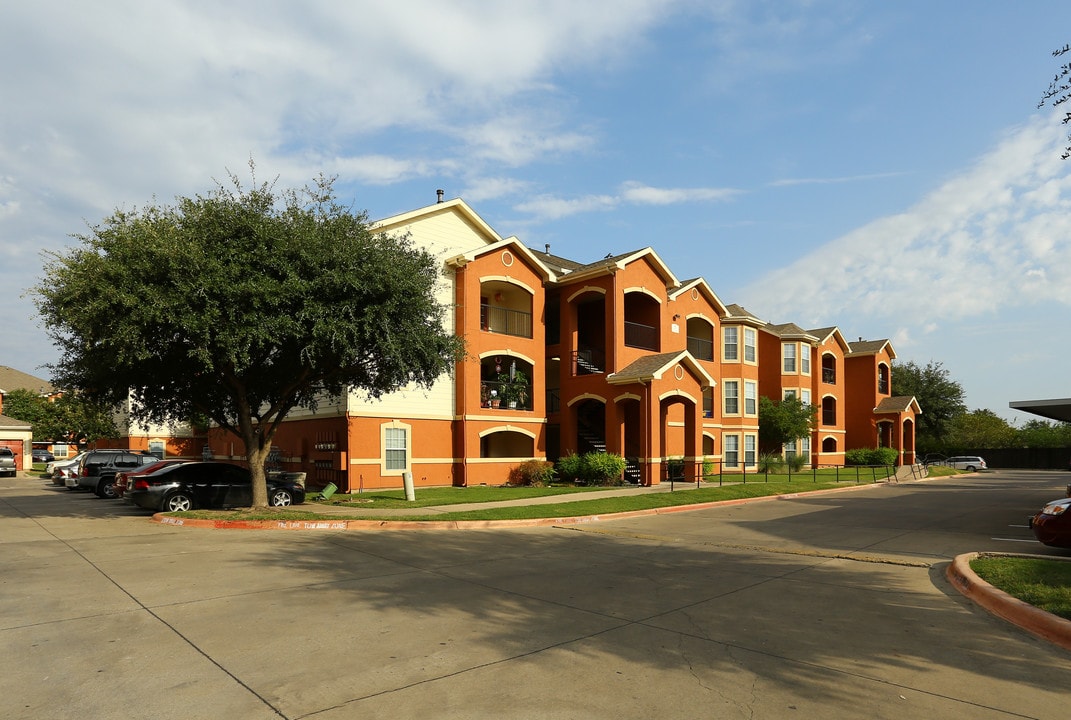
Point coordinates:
[(68, 419), (946, 425)]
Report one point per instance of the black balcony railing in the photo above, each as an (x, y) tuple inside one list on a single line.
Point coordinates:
[(554, 402), (701, 349), (587, 361), (642, 336), (505, 321)]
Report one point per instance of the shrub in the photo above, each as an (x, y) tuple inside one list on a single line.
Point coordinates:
[(709, 469), (796, 462), (532, 473), (870, 456), (674, 468), (596, 468), (570, 467), (604, 468)]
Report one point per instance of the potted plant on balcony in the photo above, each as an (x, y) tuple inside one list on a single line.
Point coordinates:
[(515, 389)]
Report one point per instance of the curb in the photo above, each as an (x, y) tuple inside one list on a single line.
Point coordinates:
[(474, 524), (1037, 622)]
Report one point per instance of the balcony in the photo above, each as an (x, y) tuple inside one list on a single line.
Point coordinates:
[(505, 321), (505, 396), (641, 336), (701, 349), (587, 361)]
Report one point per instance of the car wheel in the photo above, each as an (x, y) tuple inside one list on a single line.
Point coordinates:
[(105, 490), (281, 498), (971, 468), (179, 502)]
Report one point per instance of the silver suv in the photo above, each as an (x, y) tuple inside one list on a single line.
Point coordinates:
[(970, 463)]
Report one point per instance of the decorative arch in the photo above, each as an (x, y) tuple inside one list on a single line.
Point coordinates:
[(507, 279), (586, 396), (645, 291), (584, 290), (507, 428)]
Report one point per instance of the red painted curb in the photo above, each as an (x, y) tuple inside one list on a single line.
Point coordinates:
[(1034, 620), (343, 524)]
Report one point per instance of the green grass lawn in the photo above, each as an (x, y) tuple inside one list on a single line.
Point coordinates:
[(1045, 584), (429, 497)]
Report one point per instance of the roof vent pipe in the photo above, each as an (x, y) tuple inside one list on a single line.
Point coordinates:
[(547, 246), (439, 196)]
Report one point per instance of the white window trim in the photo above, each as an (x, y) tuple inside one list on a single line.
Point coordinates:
[(725, 384), (395, 425), (753, 346), (751, 396), (725, 344)]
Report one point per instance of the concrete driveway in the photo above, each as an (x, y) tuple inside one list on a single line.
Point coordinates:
[(831, 606)]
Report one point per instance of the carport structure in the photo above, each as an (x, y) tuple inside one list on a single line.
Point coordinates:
[(1051, 409)]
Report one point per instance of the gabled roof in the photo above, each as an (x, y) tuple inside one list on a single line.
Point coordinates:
[(899, 404), (701, 285), (738, 313), (652, 367), (824, 334), (790, 331), (613, 263), (456, 205), (511, 242), (12, 379), (870, 347)]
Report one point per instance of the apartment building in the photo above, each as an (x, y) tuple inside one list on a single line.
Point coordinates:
[(615, 355)]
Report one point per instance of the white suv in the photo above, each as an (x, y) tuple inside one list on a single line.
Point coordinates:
[(970, 463)]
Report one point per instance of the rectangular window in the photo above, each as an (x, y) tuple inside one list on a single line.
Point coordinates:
[(396, 448), (729, 345), (731, 393), (790, 448), (805, 447), (750, 456), (805, 397), (749, 344), (732, 450), (750, 398), (805, 360), (788, 352), (790, 394)]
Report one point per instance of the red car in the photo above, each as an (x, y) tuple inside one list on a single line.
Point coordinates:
[(122, 479), (1052, 526)]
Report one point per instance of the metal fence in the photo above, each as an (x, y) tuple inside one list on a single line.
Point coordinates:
[(714, 471)]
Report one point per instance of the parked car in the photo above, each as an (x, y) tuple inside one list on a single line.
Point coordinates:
[(934, 459), (970, 463), (7, 462), (40, 455), (124, 478), (1052, 525), (207, 485), (58, 470), (97, 469)]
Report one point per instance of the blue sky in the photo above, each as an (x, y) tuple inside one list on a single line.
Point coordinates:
[(881, 167)]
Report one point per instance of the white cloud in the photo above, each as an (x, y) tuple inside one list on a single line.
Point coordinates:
[(978, 244), (641, 194)]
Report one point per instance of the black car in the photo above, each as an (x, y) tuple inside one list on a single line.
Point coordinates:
[(40, 455), (207, 485)]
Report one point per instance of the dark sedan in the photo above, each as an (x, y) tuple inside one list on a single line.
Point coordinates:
[(207, 485), (1052, 526), (40, 455)]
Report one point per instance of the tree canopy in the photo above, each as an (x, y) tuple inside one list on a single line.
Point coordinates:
[(68, 419), (241, 305), (784, 421), (1059, 92), (939, 396)]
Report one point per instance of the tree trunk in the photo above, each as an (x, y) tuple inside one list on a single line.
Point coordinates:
[(256, 453)]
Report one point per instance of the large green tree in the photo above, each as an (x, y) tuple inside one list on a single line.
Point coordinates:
[(1059, 92), (981, 429), (68, 419), (241, 305), (783, 421), (939, 396)]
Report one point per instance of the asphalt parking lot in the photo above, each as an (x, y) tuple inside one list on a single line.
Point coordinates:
[(830, 606)]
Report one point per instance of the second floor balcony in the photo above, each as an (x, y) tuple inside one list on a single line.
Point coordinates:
[(505, 321)]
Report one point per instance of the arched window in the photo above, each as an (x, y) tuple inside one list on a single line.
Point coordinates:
[(829, 445)]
